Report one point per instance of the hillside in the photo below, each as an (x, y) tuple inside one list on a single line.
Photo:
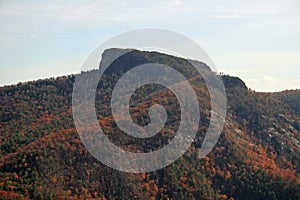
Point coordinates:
[(42, 156), (290, 98)]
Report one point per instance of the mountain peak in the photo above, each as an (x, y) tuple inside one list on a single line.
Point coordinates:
[(138, 57), (233, 82)]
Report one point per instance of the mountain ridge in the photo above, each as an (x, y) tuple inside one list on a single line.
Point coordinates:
[(42, 157)]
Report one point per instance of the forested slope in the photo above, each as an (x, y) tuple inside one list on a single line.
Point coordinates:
[(42, 157)]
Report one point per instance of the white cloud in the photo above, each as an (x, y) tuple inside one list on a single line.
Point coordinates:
[(263, 71), (266, 78), (268, 84), (228, 16), (177, 3)]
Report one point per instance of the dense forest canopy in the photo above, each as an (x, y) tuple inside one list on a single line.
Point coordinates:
[(42, 157)]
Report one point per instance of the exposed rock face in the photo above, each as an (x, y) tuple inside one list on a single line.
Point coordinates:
[(118, 58), (111, 55), (234, 82)]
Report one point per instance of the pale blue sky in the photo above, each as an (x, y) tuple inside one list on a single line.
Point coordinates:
[(256, 40)]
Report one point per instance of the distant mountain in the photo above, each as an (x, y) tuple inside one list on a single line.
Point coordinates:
[(42, 157)]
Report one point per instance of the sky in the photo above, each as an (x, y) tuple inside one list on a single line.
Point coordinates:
[(258, 40)]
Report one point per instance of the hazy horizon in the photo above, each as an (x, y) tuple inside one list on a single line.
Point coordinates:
[(257, 41)]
